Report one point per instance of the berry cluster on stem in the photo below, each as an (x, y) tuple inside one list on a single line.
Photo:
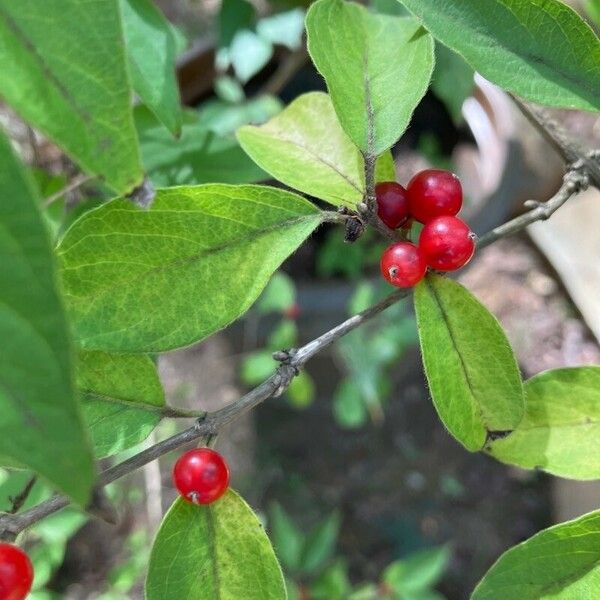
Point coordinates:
[(433, 197)]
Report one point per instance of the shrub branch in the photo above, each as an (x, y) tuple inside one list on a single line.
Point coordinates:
[(584, 168)]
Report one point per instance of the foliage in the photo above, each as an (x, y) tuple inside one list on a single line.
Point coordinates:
[(559, 562), (225, 548), (501, 40), (82, 320), (377, 68), (313, 568), (41, 425), (473, 375)]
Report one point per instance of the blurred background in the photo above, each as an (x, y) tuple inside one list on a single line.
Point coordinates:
[(364, 493)]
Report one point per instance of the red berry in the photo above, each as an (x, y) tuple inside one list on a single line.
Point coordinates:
[(446, 243), (392, 203), (201, 476), (434, 193), (403, 265), (16, 573)]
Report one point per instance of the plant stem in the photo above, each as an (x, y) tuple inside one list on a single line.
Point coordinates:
[(574, 181), (581, 172)]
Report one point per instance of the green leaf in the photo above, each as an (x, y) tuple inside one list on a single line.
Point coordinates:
[(279, 294), (213, 551), (12, 483), (286, 537), (284, 336), (122, 399), (229, 90), (234, 15), (285, 28), (538, 49), (418, 572), (349, 408), (560, 432), (306, 148), (41, 426), (385, 168), (151, 50), (332, 584), (592, 8), (365, 591), (72, 83), (320, 544), (559, 563), (198, 156), (377, 69), (224, 118), (452, 80), (153, 280), (249, 53), (473, 376), (301, 391), (257, 366), (52, 533)]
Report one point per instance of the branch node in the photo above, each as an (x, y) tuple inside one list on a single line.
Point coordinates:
[(10, 527), (354, 229), (594, 154), (143, 195), (532, 204), (286, 373), (284, 356)]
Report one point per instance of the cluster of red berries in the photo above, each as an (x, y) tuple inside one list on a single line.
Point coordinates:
[(432, 197)]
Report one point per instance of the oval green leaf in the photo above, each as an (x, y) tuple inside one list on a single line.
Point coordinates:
[(40, 423), (377, 69), (539, 49), (151, 51), (219, 550), (153, 280), (560, 432), (306, 148), (122, 399), (559, 563), (473, 376), (72, 83)]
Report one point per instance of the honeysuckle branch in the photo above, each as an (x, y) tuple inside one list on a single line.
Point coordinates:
[(574, 181), (569, 149), (291, 362), (77, 182), (579, 174)]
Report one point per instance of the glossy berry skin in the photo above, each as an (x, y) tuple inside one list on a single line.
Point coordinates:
[(402, 264), (201, 476), (434, 193), (446, 243), (392, 203), (16, 573)]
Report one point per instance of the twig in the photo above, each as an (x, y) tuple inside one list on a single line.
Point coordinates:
[(286, 69), (77, 182), (154, 490), (574, 181), (21, 497), (571, 151), (292, 362)]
